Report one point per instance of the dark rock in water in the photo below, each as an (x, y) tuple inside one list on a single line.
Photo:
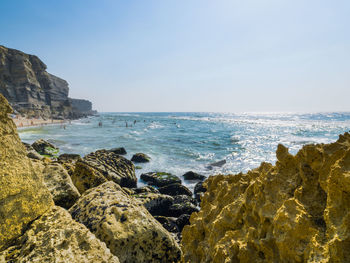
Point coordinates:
[(168, 223), (69, 157), (199, 189), (182, 204), (140, 158), (156, 204), (60, 185), (31, 152), (182, 221), (193, 176), (160, 179), (146, 189), (175, 189), (120, 151), (216, 164), (45, 148)]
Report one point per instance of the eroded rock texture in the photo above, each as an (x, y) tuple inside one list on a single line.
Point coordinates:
[(295, 211), (128, 229), (23, 197), (55, 237)]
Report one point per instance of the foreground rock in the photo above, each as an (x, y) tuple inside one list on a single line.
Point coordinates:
[(23, 196), (192, 176), (45, 148), (32, 153), (124, 225), (296, 211), (120, 151), (55, 237), (101, 166), (140, 158), (175, 189), (160, 179), (60, 185)]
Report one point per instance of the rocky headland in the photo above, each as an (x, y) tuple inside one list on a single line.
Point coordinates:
[(33, 92), (69, 208)]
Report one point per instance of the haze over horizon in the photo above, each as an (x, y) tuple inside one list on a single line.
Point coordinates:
[(193, 56)]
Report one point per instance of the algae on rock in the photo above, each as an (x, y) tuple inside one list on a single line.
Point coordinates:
[(295, 211)]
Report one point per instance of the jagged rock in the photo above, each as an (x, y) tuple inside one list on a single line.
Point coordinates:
[(45, 148), (120, 151), (175, 189), (85, 177), (55, 237), (182, 204), (199, 190), (30, 89), (60, 185), (146, 189), (127, 228), (156, 204), (69, 158), (193, 176), (169, 223), (182, 221), (23, 197), (140, 158), (295, 211), (32, 153), (160, 179)]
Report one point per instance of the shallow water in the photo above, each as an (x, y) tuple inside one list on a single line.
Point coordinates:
[(179, 142)]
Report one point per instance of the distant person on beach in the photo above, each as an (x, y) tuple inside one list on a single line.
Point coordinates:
[(134, 122)]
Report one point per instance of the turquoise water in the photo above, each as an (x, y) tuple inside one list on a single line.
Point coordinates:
[(179, 142)]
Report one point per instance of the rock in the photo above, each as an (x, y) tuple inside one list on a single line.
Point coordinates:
[(31, 90), (169, 223), (45, 148), (182, 204), (146, 189), (175, 189), (69, 158), (85, 177), (160, 179), (31, 153), (140, 158), (156, 204), (83, 107), (102, 166), (55, 237), (127, 228), (193, 176), (216, 164), (295, 211), (23, 197), (60, 185), (120, 151), (183, 221), (199, 190)]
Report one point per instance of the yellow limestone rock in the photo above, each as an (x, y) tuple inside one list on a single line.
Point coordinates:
[(295, 211), (23, 197)]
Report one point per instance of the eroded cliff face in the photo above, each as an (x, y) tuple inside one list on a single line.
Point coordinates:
[(295, 211), (31, 90)]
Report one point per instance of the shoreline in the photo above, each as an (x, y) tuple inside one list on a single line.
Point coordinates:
[(22, 122)]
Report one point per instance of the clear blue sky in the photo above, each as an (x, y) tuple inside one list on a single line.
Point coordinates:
[(190, 55)]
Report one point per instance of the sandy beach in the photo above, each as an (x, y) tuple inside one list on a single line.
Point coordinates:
[(25, 122)]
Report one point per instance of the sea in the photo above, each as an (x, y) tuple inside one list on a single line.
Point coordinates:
[(182, 142)]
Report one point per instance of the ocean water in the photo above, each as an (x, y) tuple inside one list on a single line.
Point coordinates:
[(180, 142)]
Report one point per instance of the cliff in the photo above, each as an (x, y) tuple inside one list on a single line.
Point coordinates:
[(83, 106), (31, 90), (295, 211)]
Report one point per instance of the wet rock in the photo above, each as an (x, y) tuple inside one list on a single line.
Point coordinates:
[(199, 190), (216, 164), (193, 176), (169, 223), (127, 228), (31, 153), (295, 211), (182, 204), (146, 189), (119, 151), (60, 185), (101, 166), (69, 157), (175, 189), (140, 158), (160, 179), (182, 221), (23, 196), (157, 204), (55, 237), (45, 148)]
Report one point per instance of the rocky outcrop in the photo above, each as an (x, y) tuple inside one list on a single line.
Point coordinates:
[(55, 237), (127, 228), (23, 197), (295, 211), (31, 90), (160, 179), (83, 106), (140, 158)]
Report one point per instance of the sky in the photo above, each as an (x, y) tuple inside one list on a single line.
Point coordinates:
[(190, 55)]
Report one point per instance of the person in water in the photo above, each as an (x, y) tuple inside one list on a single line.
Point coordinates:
[(100, 124)]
